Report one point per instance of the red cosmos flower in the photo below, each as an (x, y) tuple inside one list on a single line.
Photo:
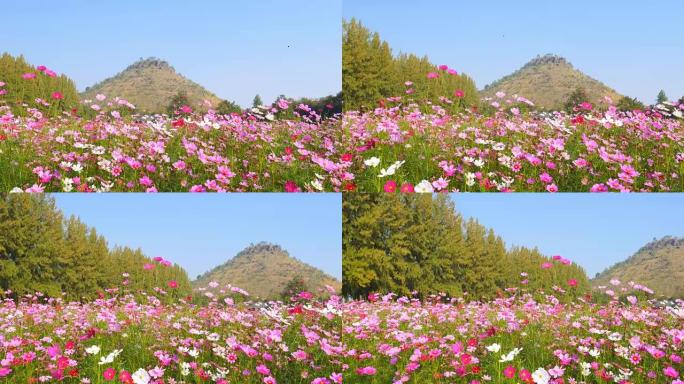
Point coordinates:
[(178, 123), (73, 372), (472, 342), (572, 282), (350, 187), (288, 150), (3, 137), (296, 310), (173, 284), (347, 157), (69, 345), (57, 95)]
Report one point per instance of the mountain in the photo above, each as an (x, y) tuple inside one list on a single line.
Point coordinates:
[(658, 265), (547, 81), (150, 84), (263, 270)]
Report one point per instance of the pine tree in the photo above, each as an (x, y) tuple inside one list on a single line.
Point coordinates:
[(661, 98), (257, 102)]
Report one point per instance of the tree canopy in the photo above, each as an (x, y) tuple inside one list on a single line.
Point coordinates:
[(371, 72), (42, 251), (419, 243)]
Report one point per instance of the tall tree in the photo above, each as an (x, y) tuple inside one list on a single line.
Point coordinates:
[(661, 98), (257, 101)]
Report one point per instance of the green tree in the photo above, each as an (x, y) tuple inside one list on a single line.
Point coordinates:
[(661, 98), (226, 107), (629, 104), (177, 101), (257, 101), (293, 287), (575, 98)]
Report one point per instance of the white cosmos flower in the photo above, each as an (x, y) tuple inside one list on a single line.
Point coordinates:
[(93, 350), (392, 169), (141, 376), (423, 187), (16, 190), (316, 184), (479, 163), (494, 348), (540, 376), (372, 162), (470, 179)]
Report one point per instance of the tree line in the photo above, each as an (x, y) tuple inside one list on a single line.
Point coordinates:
[(405, 243), (42, 251), (371, 72)]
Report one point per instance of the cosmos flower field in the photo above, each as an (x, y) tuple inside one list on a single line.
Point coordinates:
[(520, 337), (403, 145)]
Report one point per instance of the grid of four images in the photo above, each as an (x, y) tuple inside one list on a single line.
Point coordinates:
[(329, 191)]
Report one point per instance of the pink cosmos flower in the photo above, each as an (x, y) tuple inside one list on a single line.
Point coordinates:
[(173, 284), (57, 95), (29, 75), (366, 371), (109, 374), (459, 93), (432, 75), (390, 186), (509, 372)]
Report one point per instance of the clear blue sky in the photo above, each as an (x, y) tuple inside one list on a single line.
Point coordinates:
[(593, 230), (235, 48), (636, 47), (201, 231)]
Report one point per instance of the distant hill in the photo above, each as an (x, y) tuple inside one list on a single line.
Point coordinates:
[(658, 265), (547, 81), (150, 84), (263, 270)]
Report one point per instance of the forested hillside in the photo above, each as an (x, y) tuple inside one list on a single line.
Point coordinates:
[(406, 243), (42, 251), (38, 87), (371, 72)]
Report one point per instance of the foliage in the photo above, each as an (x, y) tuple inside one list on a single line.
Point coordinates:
[(370, 72), (41, 89), (418, 243), (293, 287), (177, 101), (257, 102), (574, 99), (629, 104), (661, 98), (40, 251), (226, 107)]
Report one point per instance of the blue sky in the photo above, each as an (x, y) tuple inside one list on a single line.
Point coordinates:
[(235, 48), (593, 230), (635, 47), (200, 232)]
